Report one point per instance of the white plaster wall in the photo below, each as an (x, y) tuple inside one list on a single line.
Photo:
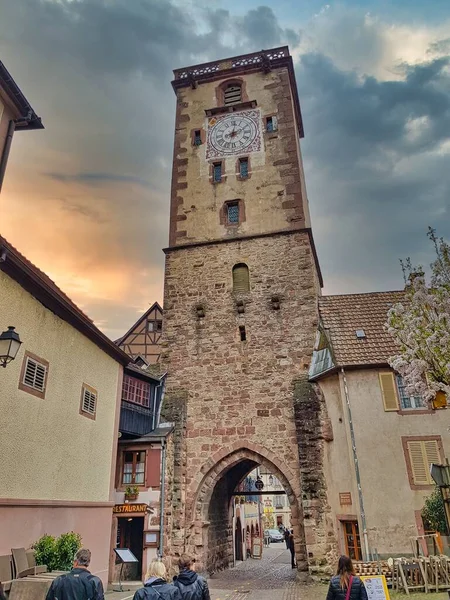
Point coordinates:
[(49, 450), (389, 501)]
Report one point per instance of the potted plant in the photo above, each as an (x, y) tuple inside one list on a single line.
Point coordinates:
[(131, 492)]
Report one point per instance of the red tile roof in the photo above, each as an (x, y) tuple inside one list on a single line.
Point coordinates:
[(342, 315)]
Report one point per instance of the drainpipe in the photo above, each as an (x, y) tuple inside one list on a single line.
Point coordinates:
[(157, 413), (355, 460), (161, 499), (6, 149)]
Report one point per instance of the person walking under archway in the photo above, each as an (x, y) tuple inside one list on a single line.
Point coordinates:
[(345, 585), (190, 585), (156, 586), (291, 547)]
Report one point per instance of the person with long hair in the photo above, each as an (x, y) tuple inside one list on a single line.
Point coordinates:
[(345, 585), (156, 586)]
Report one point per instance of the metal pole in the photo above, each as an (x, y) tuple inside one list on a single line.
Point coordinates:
[(355, 461), (161, 500)]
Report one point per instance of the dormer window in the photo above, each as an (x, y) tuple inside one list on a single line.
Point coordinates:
[(232, 94)]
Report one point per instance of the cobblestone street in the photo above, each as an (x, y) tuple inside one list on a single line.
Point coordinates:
[(267, 579)]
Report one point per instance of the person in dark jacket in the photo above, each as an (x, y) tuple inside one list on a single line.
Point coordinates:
[(156, 586), (345, 580), (79, 583), (191, 585), (292, 548), (286, 537)]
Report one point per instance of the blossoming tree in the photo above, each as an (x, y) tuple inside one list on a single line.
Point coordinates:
[(421, 326)]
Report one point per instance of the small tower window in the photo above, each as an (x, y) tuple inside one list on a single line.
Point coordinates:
[(243, 167), (271, 124), (197, 137), (241, 278), (232, 94), (242, 333), (217, 172), (232, 209)]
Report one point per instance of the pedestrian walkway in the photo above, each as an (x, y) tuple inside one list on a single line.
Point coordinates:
[(269, 578)]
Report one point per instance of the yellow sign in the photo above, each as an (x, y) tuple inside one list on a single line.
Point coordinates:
[(376, 587), (119, 509)]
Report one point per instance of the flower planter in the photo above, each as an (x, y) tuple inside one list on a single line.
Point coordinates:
[(131, 496)]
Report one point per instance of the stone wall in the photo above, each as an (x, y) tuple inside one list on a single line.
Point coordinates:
[(274, 194), (313, 432), (216, 374)]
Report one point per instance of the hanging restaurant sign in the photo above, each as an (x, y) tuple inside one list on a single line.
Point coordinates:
[(119, 509)]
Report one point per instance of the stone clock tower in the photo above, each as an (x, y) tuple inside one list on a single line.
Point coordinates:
[(240, 306)]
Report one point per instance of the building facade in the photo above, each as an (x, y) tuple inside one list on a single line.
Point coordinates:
[(60, 402), (140, 478), (16, 114), (143, 339), (381, 441), (240, 305)]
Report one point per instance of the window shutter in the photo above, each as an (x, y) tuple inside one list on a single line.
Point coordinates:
[(232, 94), (432, 454), (389, 391), (419, 466), (153, 468), (34, 375), (89, 402), (241, 281)]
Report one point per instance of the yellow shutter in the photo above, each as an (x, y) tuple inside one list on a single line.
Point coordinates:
[(241, 279), (389, 391), (419, 465), (432, 454), (422, 454)]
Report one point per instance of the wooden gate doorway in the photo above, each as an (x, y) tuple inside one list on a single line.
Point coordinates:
[(352, 539)]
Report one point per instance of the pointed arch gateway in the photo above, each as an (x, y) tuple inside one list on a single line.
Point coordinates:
[(210, 538)]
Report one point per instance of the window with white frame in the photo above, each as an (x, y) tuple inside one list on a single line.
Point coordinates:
[(88, 406), (408, 402), (34, 374), (279, 501)]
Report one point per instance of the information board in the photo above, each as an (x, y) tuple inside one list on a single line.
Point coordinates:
[(125, 555), (376, 587), (257, 548)]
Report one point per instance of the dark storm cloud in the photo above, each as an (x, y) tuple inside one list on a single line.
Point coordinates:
[(260, 25), (99, 73), (374, 162)]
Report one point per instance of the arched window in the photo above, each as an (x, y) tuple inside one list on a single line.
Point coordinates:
[(241, 278), (232, 94)]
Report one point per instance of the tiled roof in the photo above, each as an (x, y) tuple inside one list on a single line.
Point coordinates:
[(342, 315)]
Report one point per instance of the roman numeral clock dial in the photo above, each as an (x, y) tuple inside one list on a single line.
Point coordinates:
[(238, 133)]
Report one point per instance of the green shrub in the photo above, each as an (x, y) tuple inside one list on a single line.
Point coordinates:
[(67, 545), (45, 551), (433, 513), (57, 553)]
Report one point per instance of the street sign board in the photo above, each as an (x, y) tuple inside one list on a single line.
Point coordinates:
[(376, 587)]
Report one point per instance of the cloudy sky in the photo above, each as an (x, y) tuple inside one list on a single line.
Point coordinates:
[(87, 198)]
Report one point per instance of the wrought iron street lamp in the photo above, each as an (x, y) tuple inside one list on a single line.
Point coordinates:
[(441, 476), (9, 346)]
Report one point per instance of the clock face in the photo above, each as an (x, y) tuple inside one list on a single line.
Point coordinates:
[(236, 133)]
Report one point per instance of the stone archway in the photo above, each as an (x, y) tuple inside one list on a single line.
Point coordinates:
[(209, 532)]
